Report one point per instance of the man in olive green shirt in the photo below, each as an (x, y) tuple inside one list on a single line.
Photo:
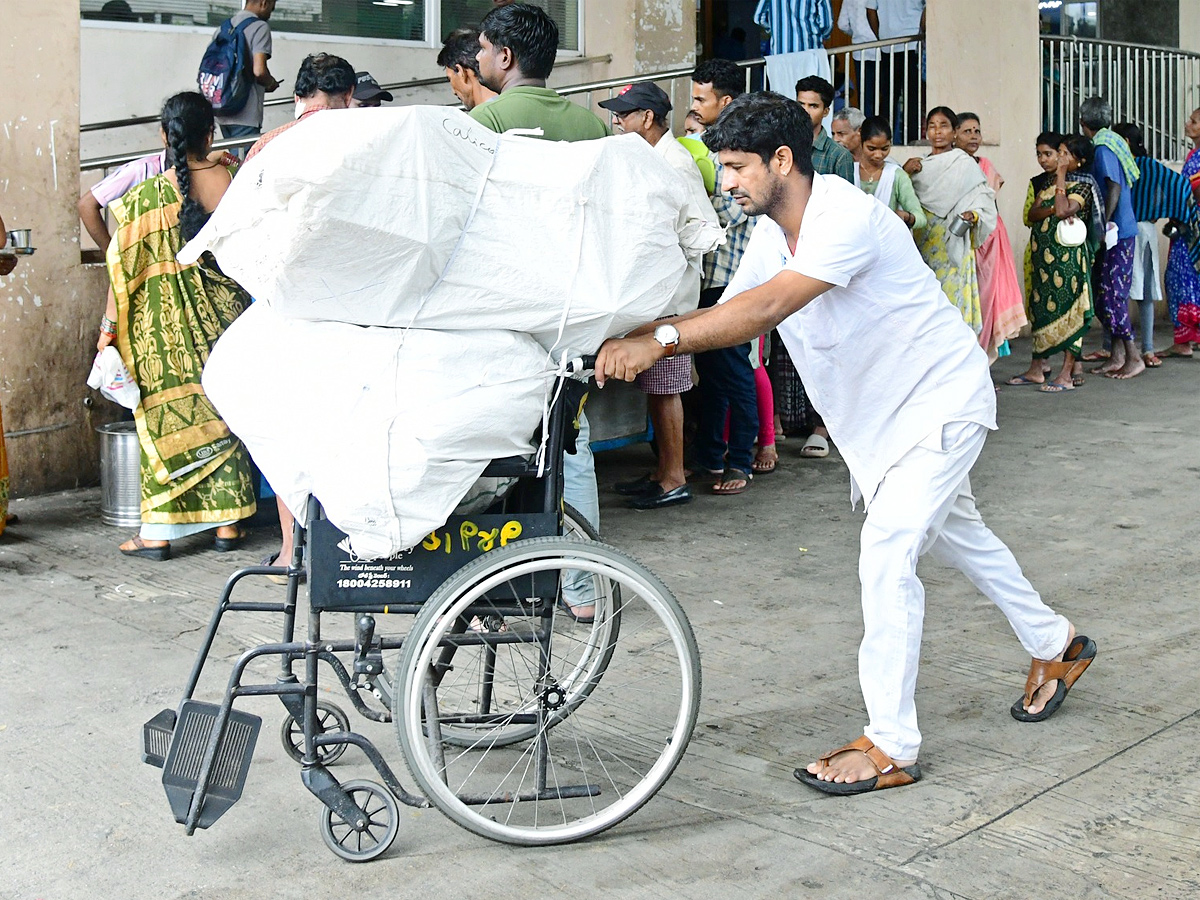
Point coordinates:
[(517, 46)]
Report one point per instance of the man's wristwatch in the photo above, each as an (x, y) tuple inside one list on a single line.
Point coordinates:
[(668, 337)]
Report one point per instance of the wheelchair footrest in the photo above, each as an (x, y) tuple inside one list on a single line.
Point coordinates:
[(156, 738), (189, 743)]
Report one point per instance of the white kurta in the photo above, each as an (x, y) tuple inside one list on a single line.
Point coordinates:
[(884, 356)]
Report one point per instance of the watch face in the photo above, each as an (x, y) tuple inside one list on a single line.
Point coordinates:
[(666, 335)]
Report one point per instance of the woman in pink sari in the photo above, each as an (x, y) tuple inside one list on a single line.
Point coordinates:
[(1001, 300)]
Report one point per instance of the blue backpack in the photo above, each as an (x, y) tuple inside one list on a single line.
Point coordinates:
[(226, 74)]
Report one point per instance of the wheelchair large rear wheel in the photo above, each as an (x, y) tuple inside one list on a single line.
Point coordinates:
[(592, 753), (581, 653)]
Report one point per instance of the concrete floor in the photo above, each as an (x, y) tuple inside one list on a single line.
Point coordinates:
[(1094, 491)]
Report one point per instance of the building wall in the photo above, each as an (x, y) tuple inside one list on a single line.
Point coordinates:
[(50, 305), (999, 78)]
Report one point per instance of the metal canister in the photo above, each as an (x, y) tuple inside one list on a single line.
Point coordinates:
[(120, 475)]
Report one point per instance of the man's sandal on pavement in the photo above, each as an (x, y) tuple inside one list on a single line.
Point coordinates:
[(890, 774), (1078, 656)]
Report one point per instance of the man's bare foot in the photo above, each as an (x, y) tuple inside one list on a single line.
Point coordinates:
[(1043, 694), (850, 766), (1134, 366)]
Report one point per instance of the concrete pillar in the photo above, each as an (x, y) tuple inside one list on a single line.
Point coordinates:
[(984, 57), (1189, 26), (50, 305)]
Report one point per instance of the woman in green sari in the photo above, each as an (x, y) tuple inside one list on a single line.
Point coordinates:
[(164, 318), (1059, 278)]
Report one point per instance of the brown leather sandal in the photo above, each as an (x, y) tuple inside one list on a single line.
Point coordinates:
[(1077, 657), (890, 774)]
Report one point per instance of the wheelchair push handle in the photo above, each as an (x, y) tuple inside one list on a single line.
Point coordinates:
[(577, 365)]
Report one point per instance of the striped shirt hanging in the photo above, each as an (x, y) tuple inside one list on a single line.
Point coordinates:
[(795, 25)]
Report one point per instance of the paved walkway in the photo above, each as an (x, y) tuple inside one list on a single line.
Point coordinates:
[(1095, 491)]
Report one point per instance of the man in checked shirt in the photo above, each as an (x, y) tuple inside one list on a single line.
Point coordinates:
[(726, 375)]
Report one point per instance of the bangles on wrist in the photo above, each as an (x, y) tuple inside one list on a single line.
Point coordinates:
[(108, 326)]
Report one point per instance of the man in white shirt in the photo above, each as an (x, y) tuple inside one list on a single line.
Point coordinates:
[(642, 109), (905, 392), (900, 77)]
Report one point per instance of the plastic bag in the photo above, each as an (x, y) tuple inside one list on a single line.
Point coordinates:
[(112, 379)]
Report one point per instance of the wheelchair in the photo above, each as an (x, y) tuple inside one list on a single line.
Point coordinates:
[(520, 716)]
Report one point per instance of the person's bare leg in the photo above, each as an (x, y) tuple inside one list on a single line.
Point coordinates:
[(1133, 364), (666, 414), (286, 522), (1036, 372), (1116, 361), (1064, 377)]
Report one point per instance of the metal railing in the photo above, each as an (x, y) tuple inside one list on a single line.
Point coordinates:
[(873, 84), (875, 77), (1155, 88)]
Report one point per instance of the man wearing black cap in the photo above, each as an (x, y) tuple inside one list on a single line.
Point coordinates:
[(367, 92), (642, 109)]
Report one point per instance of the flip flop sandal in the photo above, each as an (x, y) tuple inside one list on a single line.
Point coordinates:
[(1096, 356), (158, 554), (1151, 360), (763, 466), (1172, 353), (1077, 380), (1078, 656), (226, 545), (1021, 380), (732, 475), (1051, 388), (890, 775), (816, 447)]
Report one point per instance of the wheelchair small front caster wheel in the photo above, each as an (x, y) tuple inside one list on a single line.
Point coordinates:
[(330, 718), (380, 814)]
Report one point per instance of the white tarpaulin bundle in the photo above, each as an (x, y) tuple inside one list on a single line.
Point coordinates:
[(420, 217), (388, 427)]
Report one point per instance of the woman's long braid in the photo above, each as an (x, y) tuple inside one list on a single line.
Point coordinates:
[(187, 121)]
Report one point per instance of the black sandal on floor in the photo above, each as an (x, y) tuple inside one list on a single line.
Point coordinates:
[(158, 554)]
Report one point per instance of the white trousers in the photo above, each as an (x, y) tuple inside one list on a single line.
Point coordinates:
[(924, 503)]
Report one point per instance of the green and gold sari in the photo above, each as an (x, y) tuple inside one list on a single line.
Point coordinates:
[(169, 316), (1058, 278)]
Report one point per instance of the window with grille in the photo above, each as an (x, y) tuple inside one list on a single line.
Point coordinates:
[(402, 20), (565, 13)]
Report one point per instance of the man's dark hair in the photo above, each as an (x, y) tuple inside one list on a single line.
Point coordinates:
[(817, 85), (875, 126), (1049, 139), (727, 77), (1133, 137), (324, 72), (1080, 147), (527, 31), (459, 49), (762, 123)]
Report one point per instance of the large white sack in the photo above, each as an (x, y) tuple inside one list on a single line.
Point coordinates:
[(420, 217), (388, 428)]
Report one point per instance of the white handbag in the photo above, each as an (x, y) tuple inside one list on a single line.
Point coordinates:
[(1071, 232)]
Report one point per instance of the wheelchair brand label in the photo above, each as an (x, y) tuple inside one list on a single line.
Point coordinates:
[(339, 581)]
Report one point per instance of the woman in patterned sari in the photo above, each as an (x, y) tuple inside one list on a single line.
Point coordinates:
[(1061, 306), (165, 318), (1183, 281), (951, 186)]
